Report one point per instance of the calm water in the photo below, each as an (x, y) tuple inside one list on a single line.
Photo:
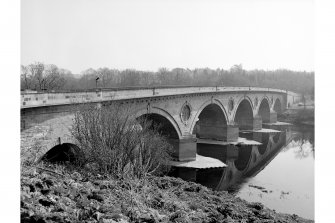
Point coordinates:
[(279, 174)]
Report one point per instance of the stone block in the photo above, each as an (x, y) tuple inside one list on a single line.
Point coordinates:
[(223, 133), (184, 149), (273, 117), (232, 133), (257, 123)]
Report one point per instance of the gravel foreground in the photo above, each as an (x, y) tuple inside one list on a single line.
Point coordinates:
[(51, 193)]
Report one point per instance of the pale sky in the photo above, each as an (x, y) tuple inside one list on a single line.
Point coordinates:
[(147, 35)]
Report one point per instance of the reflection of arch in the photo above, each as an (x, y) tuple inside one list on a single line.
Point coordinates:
[(264, 110), (62, 153), (211, 177), (277, 106), (265, 141), (205, 105), (244, 157), (276, 137), (159, 116), (244, 114)]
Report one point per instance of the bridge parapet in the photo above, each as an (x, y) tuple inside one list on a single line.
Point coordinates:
[(29, 100)]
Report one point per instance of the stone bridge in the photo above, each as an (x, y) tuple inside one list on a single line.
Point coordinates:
[(185, 114)]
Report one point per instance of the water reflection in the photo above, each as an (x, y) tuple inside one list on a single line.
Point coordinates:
[(243, 161), (278, 173)]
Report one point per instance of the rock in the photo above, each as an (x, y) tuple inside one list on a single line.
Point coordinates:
[(179, 216), (192, 188), (107, 221), (39, 185), (146, 217), (45, 202), (48, 182), (32, 188), (33, 219), (56, 218), (97, 215), (76, 176), (114, 216), (59, 190), (96, 197), (256, 205), (45, 191)]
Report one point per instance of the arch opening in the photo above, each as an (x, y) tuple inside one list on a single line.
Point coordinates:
[(244, 115), (66, 152), (264, 111), (277, 106), (162, 124), (244, 156), (211, 123)]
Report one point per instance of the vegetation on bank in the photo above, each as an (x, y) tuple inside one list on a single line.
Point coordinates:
[(57, 193), (299, 116), (39, 76), (117, 144)]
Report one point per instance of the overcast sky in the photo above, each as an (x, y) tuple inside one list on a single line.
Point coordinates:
[(147, 35)]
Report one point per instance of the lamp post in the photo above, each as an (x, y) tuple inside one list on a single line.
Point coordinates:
[(96, 82)]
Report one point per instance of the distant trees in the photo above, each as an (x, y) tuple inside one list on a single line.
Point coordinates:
[(40, 76)]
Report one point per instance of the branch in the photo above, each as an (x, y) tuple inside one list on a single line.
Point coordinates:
[(40, 168)]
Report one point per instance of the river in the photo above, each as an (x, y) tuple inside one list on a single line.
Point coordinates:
[(278, 174)]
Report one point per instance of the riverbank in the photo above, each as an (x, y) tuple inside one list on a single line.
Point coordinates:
[(299, 115), (51, 193)]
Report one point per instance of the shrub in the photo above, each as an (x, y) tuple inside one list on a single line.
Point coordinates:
[(29, 156), (118, 144)]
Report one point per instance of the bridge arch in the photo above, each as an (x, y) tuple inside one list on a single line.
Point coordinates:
[(210, 112), (158, 116), (277, 106), (62, 153), (244, 114), (264, 110)]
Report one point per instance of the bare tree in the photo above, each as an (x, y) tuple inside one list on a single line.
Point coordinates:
[(111, 139), (25, 79)]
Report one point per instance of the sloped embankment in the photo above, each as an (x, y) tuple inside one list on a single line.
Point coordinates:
[(65, 195)]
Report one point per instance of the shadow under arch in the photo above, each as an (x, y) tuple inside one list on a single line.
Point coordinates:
[(66, 152), (214, 104), (264, 110), (277, 106), (157, 116), (211, 177), (244, 115), (163, 125), (211, 123)]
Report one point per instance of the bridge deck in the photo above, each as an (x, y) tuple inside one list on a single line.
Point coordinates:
[(29, 100)]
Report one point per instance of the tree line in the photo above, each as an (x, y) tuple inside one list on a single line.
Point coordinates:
[(47, 77)]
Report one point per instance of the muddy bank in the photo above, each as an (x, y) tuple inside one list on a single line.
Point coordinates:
[(58, 194)]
